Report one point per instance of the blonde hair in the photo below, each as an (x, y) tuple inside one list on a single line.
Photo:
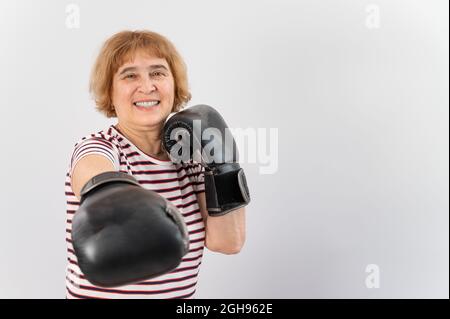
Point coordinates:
[(121, 48)]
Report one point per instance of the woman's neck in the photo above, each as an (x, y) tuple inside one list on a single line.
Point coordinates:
[(148, 140)]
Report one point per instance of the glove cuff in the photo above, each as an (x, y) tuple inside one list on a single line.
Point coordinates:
[(226, 189), (104, 178)]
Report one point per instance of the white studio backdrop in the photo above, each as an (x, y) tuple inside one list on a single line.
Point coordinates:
[(349, 100)]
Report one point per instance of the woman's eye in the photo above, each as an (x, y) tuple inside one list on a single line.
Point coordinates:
[(153, 74)]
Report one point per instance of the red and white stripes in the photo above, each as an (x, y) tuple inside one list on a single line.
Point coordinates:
[(178, 183)]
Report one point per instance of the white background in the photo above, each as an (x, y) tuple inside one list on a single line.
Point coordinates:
[(362, 118)]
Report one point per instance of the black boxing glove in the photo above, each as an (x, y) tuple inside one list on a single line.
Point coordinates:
[(123, 233), (185, 138)]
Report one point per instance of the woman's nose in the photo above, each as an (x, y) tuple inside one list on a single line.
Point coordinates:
[(146, 86)]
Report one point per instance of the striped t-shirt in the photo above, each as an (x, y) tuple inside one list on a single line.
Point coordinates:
[(178, 183)]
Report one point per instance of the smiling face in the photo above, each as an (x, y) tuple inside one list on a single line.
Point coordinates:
[(143, 91)]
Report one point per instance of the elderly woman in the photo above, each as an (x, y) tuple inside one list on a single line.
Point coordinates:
[(140, 78)]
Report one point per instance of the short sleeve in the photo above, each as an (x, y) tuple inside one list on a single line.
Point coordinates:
[(94, 145)]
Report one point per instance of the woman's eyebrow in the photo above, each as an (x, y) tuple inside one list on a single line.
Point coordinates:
[(151, 67)]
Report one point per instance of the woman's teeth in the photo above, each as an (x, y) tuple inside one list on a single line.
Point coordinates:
[(146, 104)]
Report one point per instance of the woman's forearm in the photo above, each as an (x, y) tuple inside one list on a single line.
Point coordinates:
[(226, 234)]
